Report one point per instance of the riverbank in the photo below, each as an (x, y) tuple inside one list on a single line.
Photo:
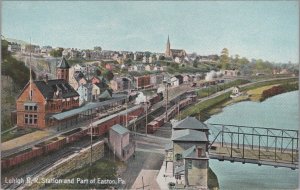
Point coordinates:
[(280, 112), (204, 109)]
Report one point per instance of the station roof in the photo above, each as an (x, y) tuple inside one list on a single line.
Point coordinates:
[(190, 123), (114, 115), (89, 106)]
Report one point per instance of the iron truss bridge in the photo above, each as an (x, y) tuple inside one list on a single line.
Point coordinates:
[(256, 145)]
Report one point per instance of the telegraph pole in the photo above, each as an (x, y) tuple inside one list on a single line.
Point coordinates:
[(146, 115)]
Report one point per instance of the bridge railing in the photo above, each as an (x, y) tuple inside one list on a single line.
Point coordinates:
[(277, 145)]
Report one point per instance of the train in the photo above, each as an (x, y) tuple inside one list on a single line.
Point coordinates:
[(160, 120), (99, 128)]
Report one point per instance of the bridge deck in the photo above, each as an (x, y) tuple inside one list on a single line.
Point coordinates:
[(278, 158)]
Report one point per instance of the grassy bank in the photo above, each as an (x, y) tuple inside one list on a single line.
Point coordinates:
[(256, 94), (104, 169), (219, 87), (203, 110), (212, 181)]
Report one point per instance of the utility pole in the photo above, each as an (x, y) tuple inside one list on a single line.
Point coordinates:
[(91, 143), (146, 115), (30, 76)]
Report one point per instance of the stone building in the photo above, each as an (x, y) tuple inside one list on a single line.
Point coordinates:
[(119, 139)]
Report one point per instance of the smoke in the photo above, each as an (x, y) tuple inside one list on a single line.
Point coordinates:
[(212, 75), (140, 98)]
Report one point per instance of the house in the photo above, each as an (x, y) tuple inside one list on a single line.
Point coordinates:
[(81, 68), (85, 93), (96, 80), (109, 66), (142, 81), (195, 165), (14, 47), (180, 79), (174, 81), (230, 73), (138, 56), (119, 140), (158, 68), (105, 95), (235, 92), (187, 79), (73, 78), (178, 60), (186, 138), (97, 89), (83, 81), (27, 48), (190, 158), (149, 67), (156, 80), (46, 50), (120, 84)]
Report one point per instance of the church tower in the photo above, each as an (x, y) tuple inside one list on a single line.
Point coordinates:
[(168, 49), (62, 70)]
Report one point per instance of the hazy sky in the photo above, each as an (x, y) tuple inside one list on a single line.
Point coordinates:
[(267, 30)]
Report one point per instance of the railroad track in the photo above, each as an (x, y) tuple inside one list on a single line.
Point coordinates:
[(41, 164)]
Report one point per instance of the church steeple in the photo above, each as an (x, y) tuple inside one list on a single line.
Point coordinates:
[(168, 48)]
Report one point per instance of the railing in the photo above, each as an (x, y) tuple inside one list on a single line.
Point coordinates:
[(254, 143)]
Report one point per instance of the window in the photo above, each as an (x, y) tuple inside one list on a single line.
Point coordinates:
[(26, 118), (31, 108), (190, 164), (30, 119), (178, 157)]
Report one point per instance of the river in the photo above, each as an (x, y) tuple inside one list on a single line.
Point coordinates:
[(281, 111)]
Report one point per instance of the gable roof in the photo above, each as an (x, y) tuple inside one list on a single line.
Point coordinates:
[(119, 129), (106, 95), (48, 89), (189, 153), (63, 64), (189, 135), (190, 123)]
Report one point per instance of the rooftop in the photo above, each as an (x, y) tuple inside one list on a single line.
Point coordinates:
[(119, 129), (190, 123), (189, 135), (63, 64), (58, 85)]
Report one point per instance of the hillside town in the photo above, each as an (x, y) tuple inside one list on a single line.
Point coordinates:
[(125, 94)]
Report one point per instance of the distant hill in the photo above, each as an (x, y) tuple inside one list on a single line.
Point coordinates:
[(13, 68), (17, 41)]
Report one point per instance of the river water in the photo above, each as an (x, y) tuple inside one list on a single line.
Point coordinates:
[(281, 111)]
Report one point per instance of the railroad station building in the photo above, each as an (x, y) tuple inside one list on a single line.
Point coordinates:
[(39, 99)]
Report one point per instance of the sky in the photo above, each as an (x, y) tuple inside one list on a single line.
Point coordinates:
[(268, 30)]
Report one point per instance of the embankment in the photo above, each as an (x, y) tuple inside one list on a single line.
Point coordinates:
[(66, 165)]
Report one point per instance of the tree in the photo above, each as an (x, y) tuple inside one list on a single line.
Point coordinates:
[(98, 72), (224, 60), (56, 52), (108, 75)]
